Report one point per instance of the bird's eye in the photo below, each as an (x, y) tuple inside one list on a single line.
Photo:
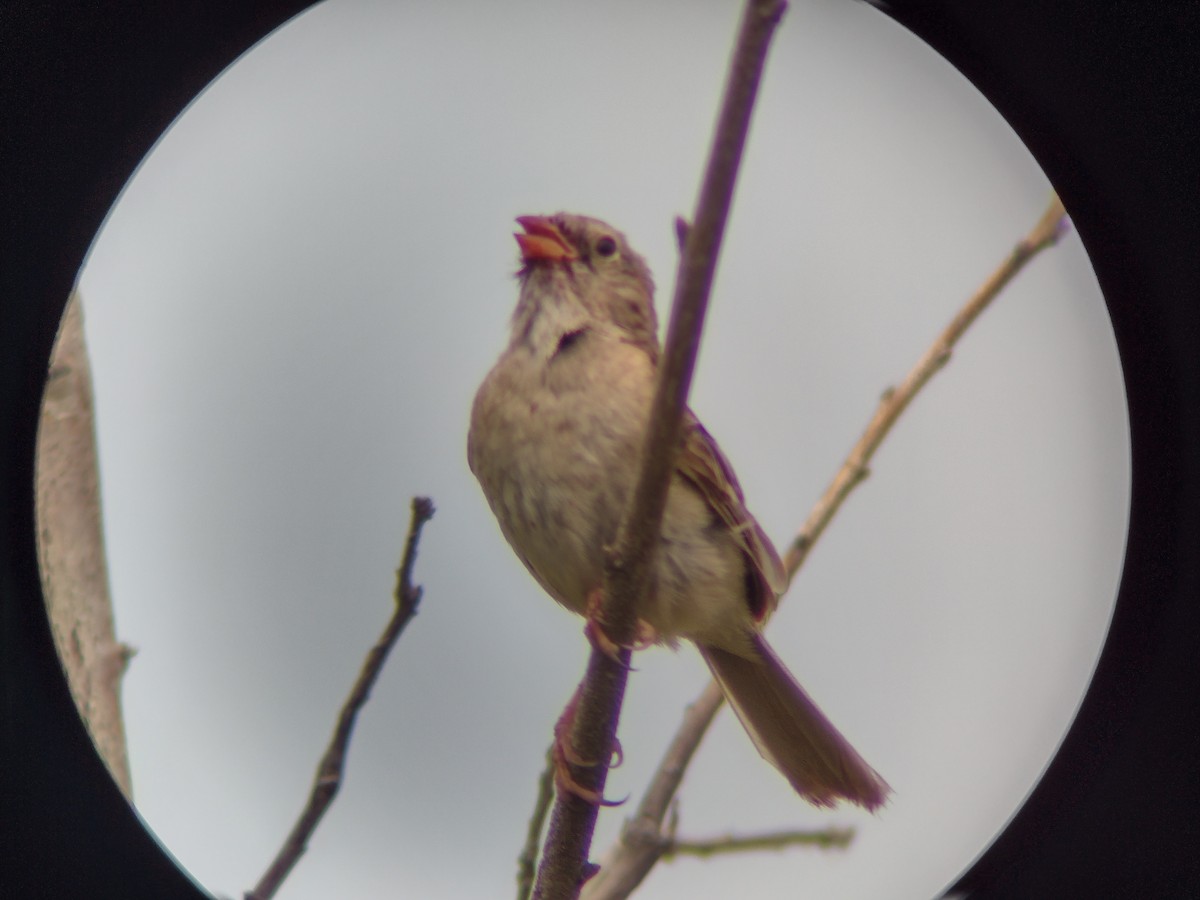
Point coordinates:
[(606, 246)]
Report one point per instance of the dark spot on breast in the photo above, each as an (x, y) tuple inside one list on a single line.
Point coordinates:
[(568, 340)]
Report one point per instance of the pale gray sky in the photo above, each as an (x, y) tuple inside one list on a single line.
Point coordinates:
[(290, 309)]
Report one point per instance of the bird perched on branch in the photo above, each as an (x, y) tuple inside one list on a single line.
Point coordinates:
[(555, 440)]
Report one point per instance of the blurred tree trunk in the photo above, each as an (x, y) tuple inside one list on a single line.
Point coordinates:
[(71, 547)]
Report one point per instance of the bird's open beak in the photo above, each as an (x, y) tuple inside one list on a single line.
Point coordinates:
[(542, 240)]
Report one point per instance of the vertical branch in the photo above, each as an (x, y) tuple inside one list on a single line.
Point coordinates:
[(71, 546), (627, 571)]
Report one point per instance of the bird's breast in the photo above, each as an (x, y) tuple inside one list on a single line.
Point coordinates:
[(554, 447)]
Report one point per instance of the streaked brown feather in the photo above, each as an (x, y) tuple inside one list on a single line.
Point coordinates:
[(702, 463)]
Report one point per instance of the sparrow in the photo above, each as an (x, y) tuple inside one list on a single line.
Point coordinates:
[(555, 440)]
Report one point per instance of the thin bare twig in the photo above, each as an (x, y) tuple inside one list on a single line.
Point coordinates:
[(329, 772), (527, 861), (573, 820), (633, 856), (895, 400), (644, 839), (824, 838)]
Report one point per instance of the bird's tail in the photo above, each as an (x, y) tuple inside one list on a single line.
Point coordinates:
[(791, 732)]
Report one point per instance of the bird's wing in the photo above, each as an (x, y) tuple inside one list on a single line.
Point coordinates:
[(703, 465)]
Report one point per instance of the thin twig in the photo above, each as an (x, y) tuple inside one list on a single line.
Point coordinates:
[(527, 861), (824, 838), (644, 839), (895, 400), (329, 771), (573, 820), (640, 846)]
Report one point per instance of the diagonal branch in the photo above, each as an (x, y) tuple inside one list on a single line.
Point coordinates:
[(1049, 228), (644, 838), (641, 843), (627, 571), (329, 771), (527, 861)]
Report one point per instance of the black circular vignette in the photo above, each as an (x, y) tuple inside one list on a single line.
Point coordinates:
[(1103, 95), (87, 90)]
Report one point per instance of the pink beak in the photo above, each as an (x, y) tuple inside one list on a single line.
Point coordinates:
[(542, 240)]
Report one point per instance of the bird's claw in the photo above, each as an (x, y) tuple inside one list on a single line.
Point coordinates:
[(645, 636), (565, 757)]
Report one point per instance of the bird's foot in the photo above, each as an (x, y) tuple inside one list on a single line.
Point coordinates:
[(565, 756), (645, 636)]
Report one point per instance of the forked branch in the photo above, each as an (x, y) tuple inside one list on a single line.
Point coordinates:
[(643, 840)]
